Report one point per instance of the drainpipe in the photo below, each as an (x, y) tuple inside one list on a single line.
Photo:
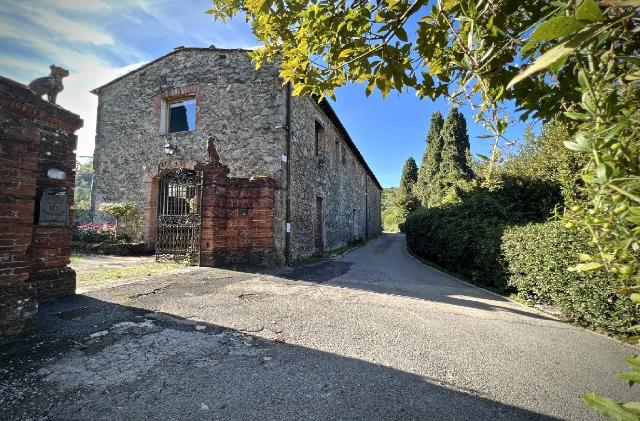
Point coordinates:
[(287, 217), (366, 209)]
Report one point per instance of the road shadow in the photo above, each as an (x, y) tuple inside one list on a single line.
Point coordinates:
[(99, 360), (435, 286)]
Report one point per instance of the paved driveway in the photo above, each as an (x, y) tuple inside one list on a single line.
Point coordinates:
[(370, 335)]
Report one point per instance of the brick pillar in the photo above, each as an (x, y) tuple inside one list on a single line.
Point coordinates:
[(37, 159), (150, 211), (18, 306), (214, 210)]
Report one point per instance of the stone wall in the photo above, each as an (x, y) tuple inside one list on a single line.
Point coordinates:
[(243, 109), (350, 196), (37, 144)]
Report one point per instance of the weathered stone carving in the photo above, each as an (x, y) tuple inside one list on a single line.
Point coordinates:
[(211, 151), (50, 85)]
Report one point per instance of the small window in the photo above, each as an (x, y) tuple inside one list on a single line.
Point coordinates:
[(318, 137), (182, 115)]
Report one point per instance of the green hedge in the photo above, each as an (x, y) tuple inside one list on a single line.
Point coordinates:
[(465, 237), (537, 257)]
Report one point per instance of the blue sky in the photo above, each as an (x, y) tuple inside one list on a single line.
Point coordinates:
[(98, 40)]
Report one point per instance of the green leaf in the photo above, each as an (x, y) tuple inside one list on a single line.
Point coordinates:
[(604, 171), (585, 267), (402, 34), (635, 297), (529, 45), (632, 406), (577, 116), (556, 53), (581, 144), (584, 257), (582, 80), (483, 157), (609, 407), (557, 27), (589, 11), (631, 377)]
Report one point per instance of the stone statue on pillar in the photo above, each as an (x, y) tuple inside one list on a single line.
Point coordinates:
[(50, 85)]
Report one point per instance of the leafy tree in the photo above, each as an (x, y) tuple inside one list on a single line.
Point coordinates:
[(455, 146), (84, 178), (118, 210), (431, 158)]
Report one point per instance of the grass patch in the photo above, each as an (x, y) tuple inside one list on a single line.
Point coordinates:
[(126, 273)]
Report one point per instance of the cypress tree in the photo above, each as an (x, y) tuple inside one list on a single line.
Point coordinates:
[(446, 165), (455, 147), (406, 200), (409, 174), (431, 158)]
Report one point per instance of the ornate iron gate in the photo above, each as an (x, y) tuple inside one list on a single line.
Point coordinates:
[(179, 202)]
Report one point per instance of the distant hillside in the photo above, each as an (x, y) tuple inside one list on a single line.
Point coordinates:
[(389, 212)]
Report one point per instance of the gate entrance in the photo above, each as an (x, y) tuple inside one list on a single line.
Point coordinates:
[(179, 202)]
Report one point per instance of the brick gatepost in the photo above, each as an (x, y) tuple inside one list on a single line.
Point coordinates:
[(237, 217), (37, 175)]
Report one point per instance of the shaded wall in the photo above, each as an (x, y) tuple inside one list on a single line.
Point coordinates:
[(332, 172)]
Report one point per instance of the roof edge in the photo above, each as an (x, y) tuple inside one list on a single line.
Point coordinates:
[(327, 108), (96, 91), (324, 104)]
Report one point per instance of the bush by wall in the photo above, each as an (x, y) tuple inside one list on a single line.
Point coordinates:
[(93, 233), (537, 256)]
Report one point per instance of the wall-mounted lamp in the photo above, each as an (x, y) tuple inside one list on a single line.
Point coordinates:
[(169, 149)]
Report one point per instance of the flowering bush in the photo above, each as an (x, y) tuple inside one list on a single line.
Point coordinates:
[(94, 233)]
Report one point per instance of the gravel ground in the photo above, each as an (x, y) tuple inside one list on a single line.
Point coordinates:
[(372, 334)]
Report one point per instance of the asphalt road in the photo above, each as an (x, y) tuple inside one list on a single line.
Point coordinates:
[(370, 335)]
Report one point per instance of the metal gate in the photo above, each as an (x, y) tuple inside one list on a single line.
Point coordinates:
[(179, 203)]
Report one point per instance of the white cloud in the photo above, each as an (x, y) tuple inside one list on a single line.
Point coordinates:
[(40, 20), (77, 97), (77, 35), (43, 32)]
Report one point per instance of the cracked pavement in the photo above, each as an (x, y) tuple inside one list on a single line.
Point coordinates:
[(372, 334)]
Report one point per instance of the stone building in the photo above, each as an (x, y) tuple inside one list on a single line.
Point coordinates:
[(276, 177), (37, 172)]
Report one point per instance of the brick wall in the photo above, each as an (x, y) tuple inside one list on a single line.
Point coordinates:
[(35, 137), (237, 218)]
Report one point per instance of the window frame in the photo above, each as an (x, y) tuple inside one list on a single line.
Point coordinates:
[(165, 116)]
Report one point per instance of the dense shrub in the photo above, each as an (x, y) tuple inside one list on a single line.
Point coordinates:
[(463, 237), (466, 236), (537, 257), (93, 233)]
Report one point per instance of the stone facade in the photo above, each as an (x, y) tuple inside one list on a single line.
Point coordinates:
[(37, 172), (247, 112)]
